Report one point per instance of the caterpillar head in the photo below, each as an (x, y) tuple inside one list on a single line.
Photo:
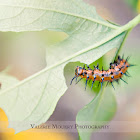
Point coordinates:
[(78, 71)]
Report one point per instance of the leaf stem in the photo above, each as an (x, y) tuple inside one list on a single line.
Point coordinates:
[(119, 49), (131, 24)]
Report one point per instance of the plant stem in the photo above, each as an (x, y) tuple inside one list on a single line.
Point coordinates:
[(131, 24), (119, 49), (128, 27)]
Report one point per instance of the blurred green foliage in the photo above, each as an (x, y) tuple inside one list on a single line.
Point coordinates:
[(133, 4)]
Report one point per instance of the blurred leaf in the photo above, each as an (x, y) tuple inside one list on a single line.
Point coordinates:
[(134, 4), (90, 37), (98, 112)]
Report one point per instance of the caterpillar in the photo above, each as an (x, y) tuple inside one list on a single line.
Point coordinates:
[(117, 69)]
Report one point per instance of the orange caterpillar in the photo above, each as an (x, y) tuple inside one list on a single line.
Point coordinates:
[(116, 71)]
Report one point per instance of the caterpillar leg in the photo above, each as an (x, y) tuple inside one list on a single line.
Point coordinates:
[(127, 75), (107, 83), (128, 58), (76, 79), (88, 67), (123, 56), (79, 80), (123, 80), (84, 67), (102, 68), (97, 67), (92, 85), (89, 81), (72, 80), (117, 81), (86, 83), (119, 58), (112, 85), (131, 65), (101, 85)]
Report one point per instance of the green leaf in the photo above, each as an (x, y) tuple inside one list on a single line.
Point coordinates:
[(98, 112), (34, 99)]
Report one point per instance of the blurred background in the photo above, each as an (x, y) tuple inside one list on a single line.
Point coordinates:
[(25, 54)]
